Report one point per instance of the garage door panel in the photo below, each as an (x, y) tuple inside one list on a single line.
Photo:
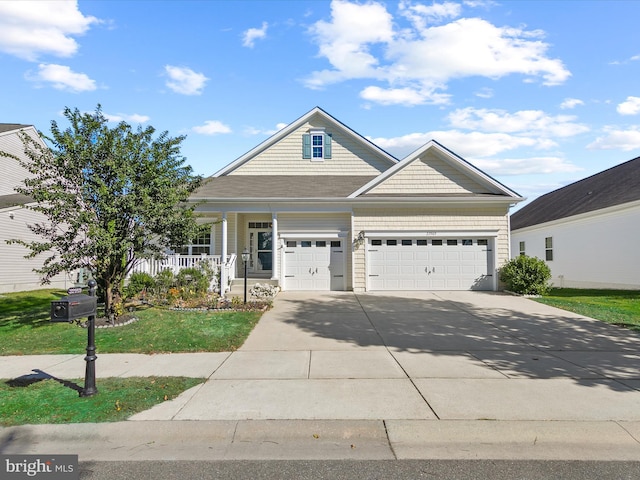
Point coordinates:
[(446, 264)]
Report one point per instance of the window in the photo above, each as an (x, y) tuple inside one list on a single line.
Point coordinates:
[(260, 224), (436, 243), (421, 243), (483, 241), (392, 243), (467, 242), (452, 242), (548, 248), (407, 242), (316, 145), (201, 244), (336, 243), (376, 243), (305, 243), (522, 251), (321, 243), (292, 243)]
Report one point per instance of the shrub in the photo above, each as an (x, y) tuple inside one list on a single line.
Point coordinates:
[(138, 282), (526, 275), (193, 282)]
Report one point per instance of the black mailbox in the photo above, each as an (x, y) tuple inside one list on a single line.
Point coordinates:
[(72, 307)]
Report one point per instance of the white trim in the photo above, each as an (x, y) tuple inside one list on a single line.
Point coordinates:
[(430, 233), (314, 235)]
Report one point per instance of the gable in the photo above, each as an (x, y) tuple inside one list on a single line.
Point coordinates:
[(284, 153), (435, 171), (429, 175)]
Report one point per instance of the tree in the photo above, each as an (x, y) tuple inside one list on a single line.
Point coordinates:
[(110, 196)]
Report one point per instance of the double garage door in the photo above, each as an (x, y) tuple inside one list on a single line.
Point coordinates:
[(429, 264), (314, 264)]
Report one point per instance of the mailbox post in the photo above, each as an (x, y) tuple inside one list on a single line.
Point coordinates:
[(90, 372), (72, 307)]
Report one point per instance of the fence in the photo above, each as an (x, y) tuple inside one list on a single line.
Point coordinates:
[(177, 262)]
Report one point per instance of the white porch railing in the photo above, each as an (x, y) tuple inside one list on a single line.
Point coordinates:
[(177, 262)]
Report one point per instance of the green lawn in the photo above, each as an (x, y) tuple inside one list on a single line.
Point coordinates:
[(53, 401), (619, 307), (25, 329)]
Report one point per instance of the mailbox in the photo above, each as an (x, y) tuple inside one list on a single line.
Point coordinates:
[(72, 307)]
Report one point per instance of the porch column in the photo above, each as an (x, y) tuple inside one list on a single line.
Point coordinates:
[(275, 252), (223, 255)]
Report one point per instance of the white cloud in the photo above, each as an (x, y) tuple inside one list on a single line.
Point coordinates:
[(524, 121), (259, 131), (466, 144), (251, 35), (185, 81), (570, 103), (62, 77), (485, 93), (526, 166), (629, 107), (403, 96), (617, 139), (129, 118), (364, 41), (29, 29), (212, 127)]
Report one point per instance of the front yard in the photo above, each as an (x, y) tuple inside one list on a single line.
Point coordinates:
[(25, 329), (618, 307)]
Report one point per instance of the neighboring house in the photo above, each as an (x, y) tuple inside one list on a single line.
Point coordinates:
[(320, 207), (587, 232), (16, 272)]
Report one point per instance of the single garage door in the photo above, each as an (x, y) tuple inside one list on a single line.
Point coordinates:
[(316, 264), (429, 264)]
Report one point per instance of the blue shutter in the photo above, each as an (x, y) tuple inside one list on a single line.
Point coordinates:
[(327, 145), (306, 145)]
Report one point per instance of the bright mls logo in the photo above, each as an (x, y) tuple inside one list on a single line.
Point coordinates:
[(50, 467)]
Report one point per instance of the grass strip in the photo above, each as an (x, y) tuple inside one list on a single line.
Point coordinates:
[(48, 400), (618, 307)]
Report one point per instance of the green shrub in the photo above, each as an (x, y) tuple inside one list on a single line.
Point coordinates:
[(193, 282), (138, 282), (164, 280), (526, 275)]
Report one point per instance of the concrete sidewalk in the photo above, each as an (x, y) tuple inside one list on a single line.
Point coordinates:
[(436, 375)]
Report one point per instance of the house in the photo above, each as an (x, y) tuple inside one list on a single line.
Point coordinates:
[(16, 272), (319, 207), (587, 232)]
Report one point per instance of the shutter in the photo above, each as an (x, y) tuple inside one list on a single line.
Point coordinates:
[(306, 145), (327, 145)]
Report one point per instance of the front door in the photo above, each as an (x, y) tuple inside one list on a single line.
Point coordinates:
[(260, 247)]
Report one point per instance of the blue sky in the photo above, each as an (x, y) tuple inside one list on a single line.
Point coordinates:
[(537, 94)]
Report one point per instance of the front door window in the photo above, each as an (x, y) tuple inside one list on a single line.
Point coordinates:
[(260, 247)]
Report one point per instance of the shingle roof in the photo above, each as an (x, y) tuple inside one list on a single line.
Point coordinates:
[(615, 186), (8, 127), (280, 186)]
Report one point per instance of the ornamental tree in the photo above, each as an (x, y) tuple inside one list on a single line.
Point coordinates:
[(109, 196)]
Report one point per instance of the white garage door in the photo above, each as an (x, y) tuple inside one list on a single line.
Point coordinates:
[(314, 264), (429, 264)]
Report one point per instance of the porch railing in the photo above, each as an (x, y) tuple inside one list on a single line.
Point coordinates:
[(177, 262)]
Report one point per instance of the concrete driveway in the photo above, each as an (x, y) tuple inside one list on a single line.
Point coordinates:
[(420, 356)]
